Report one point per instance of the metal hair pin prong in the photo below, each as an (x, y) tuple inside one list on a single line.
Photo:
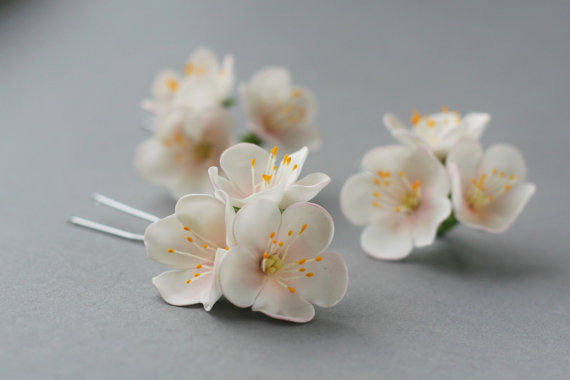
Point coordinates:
[(119, 206)]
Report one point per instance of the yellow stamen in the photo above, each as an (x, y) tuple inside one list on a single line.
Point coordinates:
[(198, 266), (302, 261), (318, 258), (302, 269), (205, 245), (303, 229), (196, 274), (310, 274), (292, 290), (274, 151), (187, 228), (416, 117), (189, 239), (173, 84), (171, 251), (445, 109), (253, 162)]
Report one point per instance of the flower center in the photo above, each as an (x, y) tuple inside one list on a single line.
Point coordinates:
[(292, 112), (203, 150), (274, 261), (431, 127), (488, 187), (193, 69), (396, 192)]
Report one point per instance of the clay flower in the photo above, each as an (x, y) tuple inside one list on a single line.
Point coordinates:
[(488, 189), (253, 174), (279, 112), (439, 131), (204, 82), (278, 266), (401, 197), (184, 146), (193, 242)]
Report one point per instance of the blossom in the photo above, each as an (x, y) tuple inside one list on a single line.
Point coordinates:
[(279, 112), (439, 131), (401, 197), (278, 266), (253, 174), (192, 241), (204, 82), (488, 189), (184, 146)]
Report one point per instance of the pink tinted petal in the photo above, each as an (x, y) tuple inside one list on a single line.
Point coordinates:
[(154, 161), (305, 189), (461, 209), (504, 158), (476, 124), (254, 224), (291, 171), (205, 216), (389, 157), (278, 302), (466, 156), (229, 217), (221, 183), (327, 281), (236, 164), (174, 288), (384, 241), (502, 213), (431, 214), (408, 138), (169, 234), (271, 85), (306, 241), (356, 199), (241, 277), (216, 289)]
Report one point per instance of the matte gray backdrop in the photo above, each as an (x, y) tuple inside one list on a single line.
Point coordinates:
[(80, 304)]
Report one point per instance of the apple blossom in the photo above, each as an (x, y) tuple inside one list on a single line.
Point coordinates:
[(439, 131), (488, 189), (204, 82), (401, 197), (253, 174), (279, 112), (193, 242), (278, 266), (184, 146)]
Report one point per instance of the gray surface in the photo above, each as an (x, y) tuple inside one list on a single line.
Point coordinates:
[(79, 304)]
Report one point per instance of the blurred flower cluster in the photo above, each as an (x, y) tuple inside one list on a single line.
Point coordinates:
[(192, 124), (408, 194)]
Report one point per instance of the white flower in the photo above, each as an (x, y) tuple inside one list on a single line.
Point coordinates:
[(439, 131), (488, 189), (278, 266), (193, 242), (401, 197), (279, 112), (204, 83), (184, 146), (255, 174)]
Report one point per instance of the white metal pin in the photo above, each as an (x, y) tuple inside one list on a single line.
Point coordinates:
[(119, 206)]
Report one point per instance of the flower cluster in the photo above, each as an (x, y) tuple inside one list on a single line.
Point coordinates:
[(257, 240), (193, 125), (408, 194)]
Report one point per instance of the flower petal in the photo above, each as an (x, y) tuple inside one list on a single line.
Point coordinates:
[(501, 213), (504, 158), (466, 156), (311, 228), (254, 224), (205, 217), (328, 281), (290, 171), (222, 184), (169, 234), (356, 199), (388, 157), (236, 162), (278, 302), (476, 124), (174, 288), (386, 241), (393, 123), (305, 189), (154, 161), (216, 288), (429, 216), (422, 165), (241, 278)]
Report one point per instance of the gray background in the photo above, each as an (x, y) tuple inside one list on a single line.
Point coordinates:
[(80, 304)]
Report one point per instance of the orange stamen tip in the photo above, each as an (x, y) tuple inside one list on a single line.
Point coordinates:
[(171, 251), (280, 244), (189, 239), (272, 235), (445, 109), (198, 266), (266, 255), (310, 274), (416, 117), (292, 290), (318, 258), (507, 187), (275, 150), (398, 209), (188, 281), (173, 85), (227, 248), (196, 274), (290, 232), (253, 162), (303, 229), (376, 181), (302, 269), (295, 167), (205, 245), (302, 261), (187, 228), (274, 241)]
